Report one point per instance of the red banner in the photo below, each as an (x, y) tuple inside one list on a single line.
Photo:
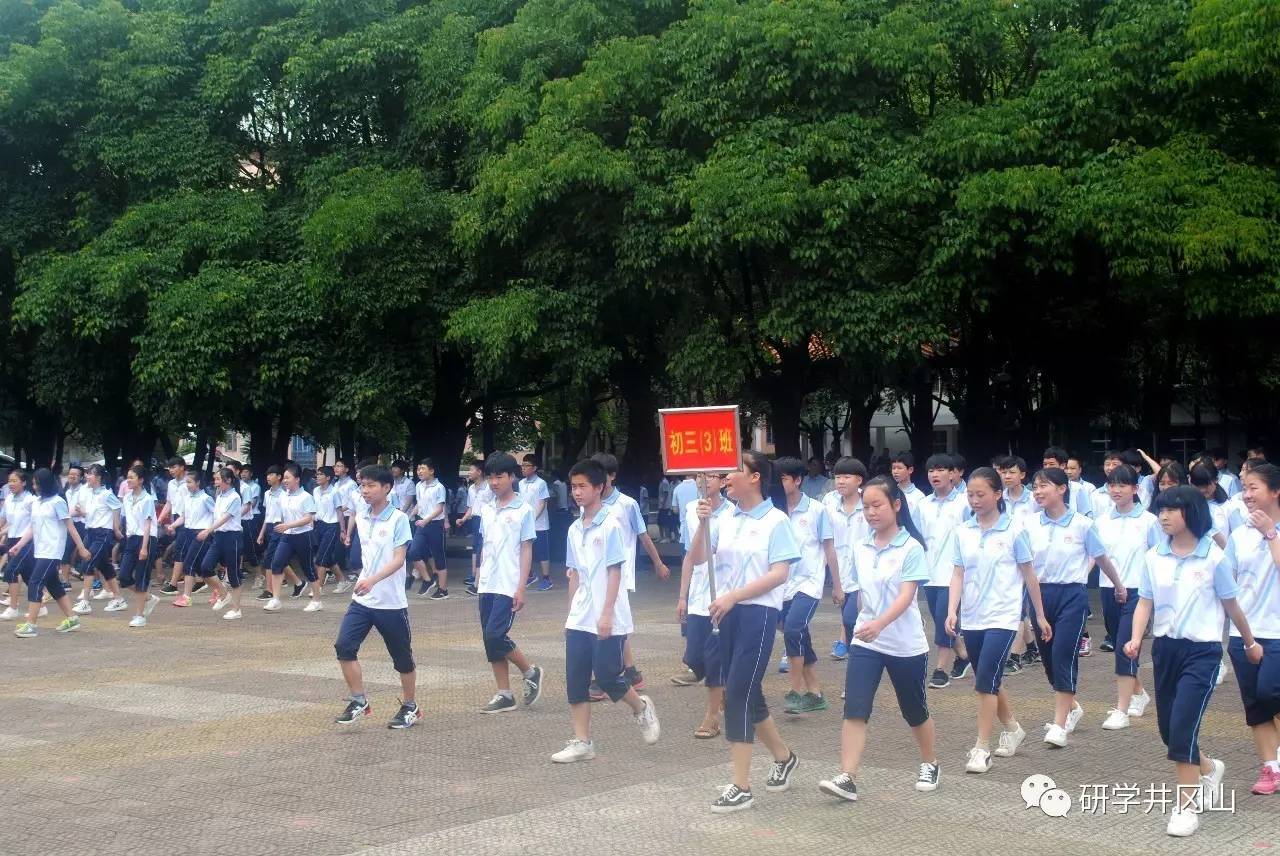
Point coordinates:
[(700, 439)]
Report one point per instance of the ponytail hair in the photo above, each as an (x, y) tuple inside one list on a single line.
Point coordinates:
[(992, 478), (1204, 474), (228, 477), (895, 494)]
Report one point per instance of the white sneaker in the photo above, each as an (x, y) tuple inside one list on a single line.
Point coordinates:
[(44, 610), (138, 621), (575, 750), (1117, 720), (1211, 785), (1009, 742), (101, 594), (314, 606), (979, 761), (150, 606), (1183, 822), (344, 586), (4, 601), (272, 605), (9, 614), (222, 603), (1138, 704), (1055, 735), (647, 719), (231, 615), (1073, 717), (82, 607), (116, 605)]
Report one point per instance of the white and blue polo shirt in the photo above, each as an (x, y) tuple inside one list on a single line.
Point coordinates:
[(747, 544), (847, 529), (993, 583), (591, 549), (699, 602), (379, 538), (1127, 538), (881, 573), (941, 515), (505, 529), (1186, 592), (811, 526), (1062, 549), (1248, 555)]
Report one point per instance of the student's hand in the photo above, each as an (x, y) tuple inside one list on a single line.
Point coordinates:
[(517, 602), (704, 509), (1122, 594), (202, 535), (1261, 521), (346, 539), (13, 551), (838, 596), (420, 523), (605, 628), (1132, 648), (720, 606), (682, 609), (1046, 630), (951, 626), (869, 631), (663, 571), (1254, 653), (363, 586), (170, 530), (260, 534), (281, 529), (142, 554), (119, 535), (83, 553)]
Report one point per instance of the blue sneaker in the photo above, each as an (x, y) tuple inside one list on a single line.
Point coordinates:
[(97, 585), (546, 584), (839, 651), (784, 665)]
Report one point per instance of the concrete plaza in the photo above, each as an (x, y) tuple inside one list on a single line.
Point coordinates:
[(200, 736)]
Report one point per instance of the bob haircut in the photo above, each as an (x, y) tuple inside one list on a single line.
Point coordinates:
[(848, 466), (1192, 504)]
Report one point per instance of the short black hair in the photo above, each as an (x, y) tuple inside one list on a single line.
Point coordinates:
[(1010, 462), (790, 466), (295, 469), (608, 461), (274, 470), (427, 462), (907, 459), (591, 470), (47, 483), (1192, 504), (938, 461), (530, 459), (1123, 475), (849, 466), (501, 463), (376, 473), (1057, 453), (1132, 458), (1216, 452), (176, 462), (958, 462)]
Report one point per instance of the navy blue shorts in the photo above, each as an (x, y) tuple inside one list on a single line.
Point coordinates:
[(290, 546), (702, 650), (1185, 675), (18, 565), (862, 678), (849, 613), (250, 528), (794, 620), (542, 545), (193, 558), (224, 549), (938, 598), (326, 544), (41, 574), (1065, 608), (99, 543), (1118, 618), (746, 645), (496, 618), (355, 560), (584, 655), (134, 571), (182, 539), (392, 625), (69, 552), (428, 543), (1260, 684), (988, 650)]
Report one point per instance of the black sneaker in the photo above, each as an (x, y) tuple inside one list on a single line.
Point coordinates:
[(355, 711), (1031, 656), (927, 781), (1107, 646), (730, 800), (962, 668), (533, 687), (405, 717), (263, 595), (408, 582), (634, 678), (841, 786), (1012, 665), (298, 590), (780, 776), (499, 704), (200, 586), (940, 680), (425, 588), (168, 590), (439, 594), (471, 590)]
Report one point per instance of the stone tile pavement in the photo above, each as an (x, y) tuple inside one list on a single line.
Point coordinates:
[(199, 736)]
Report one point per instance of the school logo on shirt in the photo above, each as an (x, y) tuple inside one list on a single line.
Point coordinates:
[(1069, 539)]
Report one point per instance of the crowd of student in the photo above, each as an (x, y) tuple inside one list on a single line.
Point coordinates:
[(1004, 561)]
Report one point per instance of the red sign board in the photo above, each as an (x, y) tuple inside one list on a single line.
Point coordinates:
[(700, 439)]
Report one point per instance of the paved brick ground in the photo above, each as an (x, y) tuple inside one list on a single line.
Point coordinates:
[(198, 736)]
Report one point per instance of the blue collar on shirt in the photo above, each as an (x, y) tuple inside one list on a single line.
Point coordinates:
[(803, 505), (515, 502), (1026, 496), (898, 540), (1134, 512), (384, 514), (1001, 524), (601, 516), (758, 512), (612, 497), (1061, 521), (1165, 547)]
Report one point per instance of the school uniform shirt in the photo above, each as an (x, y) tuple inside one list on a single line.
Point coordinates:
[(1078, 494), (683, 494), (1127, 538), (48, 529), (993, 584), (17, 512), (1186, 592), (1230, 482), (847, 529), (1021, 508), (345, 489), (747, 544), (1061, 549), (1248, 555), (664, 495), (228, 502), (430, 494), (76, 498), (505, 529), (326, 499), (811, 526), (533, 490), (402, 491), (591, 549), (98, 506), (175, 493), (941, 515), (1237, 513), (250, 495), (1218, 512), (1100, 501), (881, 573), (478, 495), (1146, 490), (197, 510), (294, 506), (271, 505), (914, 497), (380, 535), (561, 492), (815, 487), (699, 602), (631, 522), (138, 509)]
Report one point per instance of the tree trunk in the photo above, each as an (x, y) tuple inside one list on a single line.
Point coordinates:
[(642, 460), (347, 440), (920, 412)]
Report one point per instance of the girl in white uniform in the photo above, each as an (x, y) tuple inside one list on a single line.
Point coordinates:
[(1204, 478)]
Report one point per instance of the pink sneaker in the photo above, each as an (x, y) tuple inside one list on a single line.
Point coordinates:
[(182, 600), (1268, 781), (213, 598)]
